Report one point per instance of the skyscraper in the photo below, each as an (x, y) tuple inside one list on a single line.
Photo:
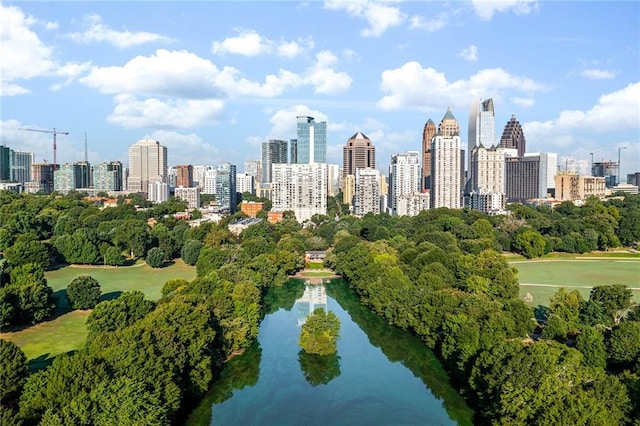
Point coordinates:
[(428, 133), (5, 162), (482, 126), (358, 153), (147, 164), (513, 137), (107, 176), (274, 151), (21, 166), (184, 176), (71, 176), (312, 140), (404, 177), (487, 180), (449, 125), (301, 188), (446, 178), (367, 192), (226, 195)]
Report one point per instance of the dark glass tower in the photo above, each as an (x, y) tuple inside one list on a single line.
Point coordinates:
[(513, 137)]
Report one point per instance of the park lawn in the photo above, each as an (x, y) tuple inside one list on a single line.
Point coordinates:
[(317, 274), (66, 331), (580, 274)]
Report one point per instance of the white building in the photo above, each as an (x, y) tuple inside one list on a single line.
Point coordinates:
[(367, 192), (199, 173), (158, 192), (492, 203), (548, 171), (412, 204), (301, 188), (245, 183), (147, 165), (446, 185), (209, 182), (404, 177), (333, 180), (487, 182), (190, 195)]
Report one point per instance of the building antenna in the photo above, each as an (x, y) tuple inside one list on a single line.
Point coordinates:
[(86, 153)]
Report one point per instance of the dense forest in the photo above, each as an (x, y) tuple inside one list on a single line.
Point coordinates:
[(441, 275)]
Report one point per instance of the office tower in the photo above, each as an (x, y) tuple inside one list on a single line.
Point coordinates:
[(5, 163), (570, 186), (189, 194), (312, 140), (404, 176), (446, 179), (147, 164), (274, 151), (513, 137), (548, 171), (20, 162), (333, 180), (184, 176), (522, 178), (348, 189), (245, 183), (208, 183), (107, 176), (70, 176), (428, 133), (42, 175), (449, 126), (487, 182), (158, 192), (252, 168), (482, 126), (226, 195), (633, 178), (359, 152), (301, 188), (199, 174), (293, 151), (367, 191)]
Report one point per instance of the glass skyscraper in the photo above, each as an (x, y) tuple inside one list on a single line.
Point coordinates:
[(226, 187), (312, 140)]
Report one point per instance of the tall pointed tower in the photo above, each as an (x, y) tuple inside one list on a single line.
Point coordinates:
[(513, 137), (449, 126), (427, 136)]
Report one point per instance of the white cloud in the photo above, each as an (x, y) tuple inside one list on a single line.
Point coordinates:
[(10, 89), (614, 112), (598, 74), (284, 123), (324, 78), (24, 55), (412, 86), (485, 9), (184, 148), (523, 102), (469, 53), (379, 15), (99, 32), (250, 43), (171, 113)]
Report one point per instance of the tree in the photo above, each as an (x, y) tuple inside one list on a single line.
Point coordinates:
[(624, 344), (13, 372), (23, 252), (320, 333), (113, 256), (155, 257), (190, 251), (83, 292), (615, 300), (529, 243), (591, 343), (117, 314)]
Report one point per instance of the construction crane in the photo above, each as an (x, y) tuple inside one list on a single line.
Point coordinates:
[(55, 133)]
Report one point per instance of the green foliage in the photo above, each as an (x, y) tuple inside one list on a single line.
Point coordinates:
[(190, 251), (155, 257), (27, 298), (118, 314), (320, 333), (319, 369), (623, 346), (590, 342), (13, 372), (175, 284), (113, 257), (615, 300), (31, 251), (529, 243), (83, 292)]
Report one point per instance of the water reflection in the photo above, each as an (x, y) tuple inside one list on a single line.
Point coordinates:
[(319, 369), (314, 296)]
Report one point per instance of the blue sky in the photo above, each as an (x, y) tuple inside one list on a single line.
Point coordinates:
[(211, 80)]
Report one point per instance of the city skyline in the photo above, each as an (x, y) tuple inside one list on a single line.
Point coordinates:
[(213, 95)]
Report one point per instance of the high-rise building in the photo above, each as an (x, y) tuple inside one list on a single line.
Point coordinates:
[(413, 204), (70, 176), (184, 176), (513, 137), (449, 126), (5, 163), (190, 195), (428, 133), (404, 177), (301, 188), (252, 168), (348, 189), (312, 141), (482, 126), (158, 192), (107, 176), (333, 180), (608, 170), (367, 191), (359, 152), (147, 164), (522, 178), (487, 181), (293, 151), (226, 195), (199, 173), (548, 171), (446, 176), (42, 175), (245, 183), (208, 183), (274, 151), (21, 166), (571, 186)]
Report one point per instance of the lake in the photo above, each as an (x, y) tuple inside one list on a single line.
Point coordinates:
[(380, 375)]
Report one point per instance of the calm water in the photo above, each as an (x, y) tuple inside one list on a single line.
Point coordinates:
[(380, 375)]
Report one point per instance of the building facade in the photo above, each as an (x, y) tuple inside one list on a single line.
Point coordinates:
[(522, 178), (572, 187), (70, 176), (413, 204), (404, 177), (20, 165), (147, 164), (301, 188), (190, 195), (312, 141), (107, 176), (184, 176), (358, 153), (367, 191), (245, 183), (226, 194), (428, 134), (446, 176), (513, 137), (482, 127)]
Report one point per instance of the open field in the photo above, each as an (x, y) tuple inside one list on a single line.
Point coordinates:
[(543, 278), (66, 331)]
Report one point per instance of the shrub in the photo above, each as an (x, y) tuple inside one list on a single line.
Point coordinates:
[(83, 292)]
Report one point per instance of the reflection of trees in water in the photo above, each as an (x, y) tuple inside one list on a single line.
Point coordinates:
[(399, 345), (283, 297), (319, 369), (239, 372)]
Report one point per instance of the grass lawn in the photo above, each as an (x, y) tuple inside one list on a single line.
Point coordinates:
[(315, 265), (66, 331), (543, 278)]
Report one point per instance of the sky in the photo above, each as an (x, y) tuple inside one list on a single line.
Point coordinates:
[(212, 80)]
